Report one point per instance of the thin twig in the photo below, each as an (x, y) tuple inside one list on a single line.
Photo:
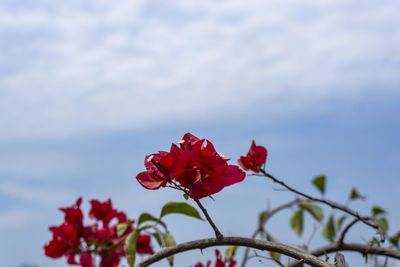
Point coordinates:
[(329, 203), (347, 228), (218, 234)]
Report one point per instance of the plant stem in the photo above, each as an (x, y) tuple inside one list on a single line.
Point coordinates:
[(218, 234)]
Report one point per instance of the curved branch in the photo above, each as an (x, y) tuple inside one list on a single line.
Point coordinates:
[(329, 203), (236, 241), (361, 248), (347, 228)]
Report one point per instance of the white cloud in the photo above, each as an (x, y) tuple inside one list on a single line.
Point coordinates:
[(75, 68)]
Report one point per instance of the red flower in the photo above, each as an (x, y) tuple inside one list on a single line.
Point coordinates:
[(143, 245), (219, 261), (102, 211), (157, 167), (195, 166), (73, 215), (199, 264), (255, 158), (111, 260), (86, 260), (65, 240), (72, 238)]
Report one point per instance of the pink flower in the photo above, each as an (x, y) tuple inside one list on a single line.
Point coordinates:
[(255, 158)]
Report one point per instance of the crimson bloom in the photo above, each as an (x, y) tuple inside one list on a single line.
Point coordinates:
[(219, 261), (255, 158), (195, 165), (74, 240), (143, 245)]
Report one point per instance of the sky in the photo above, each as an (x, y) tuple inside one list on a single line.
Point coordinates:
[(89, 88)]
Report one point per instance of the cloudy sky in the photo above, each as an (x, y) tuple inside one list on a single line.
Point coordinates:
[(88, 88)]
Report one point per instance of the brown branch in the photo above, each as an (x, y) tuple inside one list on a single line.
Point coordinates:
[(347, 228), (268, 214), (329, 203), (361, 248), (218, 234), (237, 241)]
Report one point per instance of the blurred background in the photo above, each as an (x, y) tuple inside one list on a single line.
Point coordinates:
[(88, 88)]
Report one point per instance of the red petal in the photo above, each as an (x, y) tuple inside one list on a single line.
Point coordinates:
[(189, 177), (149, 180), (234, 174), (86, 260)]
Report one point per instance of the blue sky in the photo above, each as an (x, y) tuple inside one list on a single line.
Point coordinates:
[(87, 89)]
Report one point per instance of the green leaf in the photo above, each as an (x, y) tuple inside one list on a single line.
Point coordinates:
[(395, 239), (261, 217), (319, 183), (181, 208), (383, 224), (377, 210), (314, 210), (130, 243), (355, 195), (145, 217), (270, 238), (275, 255), (329, 231), (186, 196), (373, 241), (122, 227), (297, 221), (340, 221), (169, 242), (230, 253)]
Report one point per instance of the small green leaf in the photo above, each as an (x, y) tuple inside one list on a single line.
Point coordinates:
[(270, 238), (383, 224), (261, 217), (329, 231), (145, 217), (355, 195), (130, 243), (340, 221), (377, 210), (186, 196), (297, 221), (122, 227), (395, 239), (181, 208), (314, 210), (275, 255), (319, 183), (230, 253), (373, 241), (169, 242)]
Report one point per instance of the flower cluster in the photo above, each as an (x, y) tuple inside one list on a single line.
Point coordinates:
[(219, 261), (74, 240), (194, 166), (255, 158)]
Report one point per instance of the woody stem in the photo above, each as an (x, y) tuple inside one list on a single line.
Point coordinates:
[(218, 234)]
